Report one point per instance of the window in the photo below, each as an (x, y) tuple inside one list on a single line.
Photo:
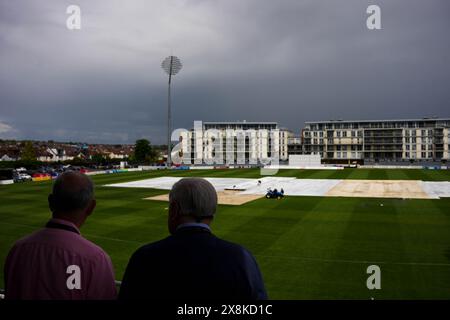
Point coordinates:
[(338, 134), (344, 134), (407, 154), (353, 134), (424, 155)]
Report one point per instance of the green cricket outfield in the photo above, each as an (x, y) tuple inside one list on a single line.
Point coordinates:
[(307, 247)]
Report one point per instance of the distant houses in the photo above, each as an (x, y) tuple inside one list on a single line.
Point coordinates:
[(9, 153), (7, 157), (59, 152), (111, 151)]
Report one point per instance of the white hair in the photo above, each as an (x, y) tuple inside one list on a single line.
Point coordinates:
[(196, 197)]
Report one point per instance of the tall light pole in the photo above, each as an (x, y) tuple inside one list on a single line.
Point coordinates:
[(171, 65)]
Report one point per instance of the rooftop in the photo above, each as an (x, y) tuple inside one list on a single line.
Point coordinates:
[(389, 120), (240, 122)]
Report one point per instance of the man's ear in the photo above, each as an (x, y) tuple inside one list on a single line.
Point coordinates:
[(91, 207), (174, 210), (51, 200)]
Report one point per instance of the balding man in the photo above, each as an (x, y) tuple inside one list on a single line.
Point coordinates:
[(56, 262), (192, 263)]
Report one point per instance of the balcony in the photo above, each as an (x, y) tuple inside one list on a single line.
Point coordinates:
[(383, 149), (383, 135), (383, 142)]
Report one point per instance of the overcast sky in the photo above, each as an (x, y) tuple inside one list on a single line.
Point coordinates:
[(254, 60)]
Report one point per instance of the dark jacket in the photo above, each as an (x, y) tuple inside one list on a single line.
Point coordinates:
[(192, 264)]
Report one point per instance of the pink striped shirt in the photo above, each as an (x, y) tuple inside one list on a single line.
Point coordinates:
[(58, 263)]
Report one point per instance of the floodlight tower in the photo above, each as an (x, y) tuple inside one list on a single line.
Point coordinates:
[(171, 65)]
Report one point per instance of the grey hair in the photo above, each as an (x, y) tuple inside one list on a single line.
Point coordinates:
[(72, 191), (196, 197)]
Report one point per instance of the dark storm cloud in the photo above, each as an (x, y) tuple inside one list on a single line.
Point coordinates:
[(285, 61)]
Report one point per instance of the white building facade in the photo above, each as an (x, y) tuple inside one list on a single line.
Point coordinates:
[(231, 143)]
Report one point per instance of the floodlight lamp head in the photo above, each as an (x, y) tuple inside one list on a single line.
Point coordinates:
[(171, 65)]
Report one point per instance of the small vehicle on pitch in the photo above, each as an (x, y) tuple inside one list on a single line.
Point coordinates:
[(274, 194)]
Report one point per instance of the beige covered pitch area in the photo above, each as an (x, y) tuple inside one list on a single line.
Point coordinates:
[(223, 197), (408, 189)]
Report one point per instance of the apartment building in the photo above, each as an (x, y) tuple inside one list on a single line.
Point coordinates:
[(377, 140)]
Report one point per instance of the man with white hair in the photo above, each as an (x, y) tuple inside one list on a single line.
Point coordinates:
[(192, 263)]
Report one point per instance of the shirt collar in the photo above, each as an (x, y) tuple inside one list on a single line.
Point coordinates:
[(193, 224), (65, 222)]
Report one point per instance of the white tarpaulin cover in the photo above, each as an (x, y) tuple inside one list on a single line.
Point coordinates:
[(296, 187)]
